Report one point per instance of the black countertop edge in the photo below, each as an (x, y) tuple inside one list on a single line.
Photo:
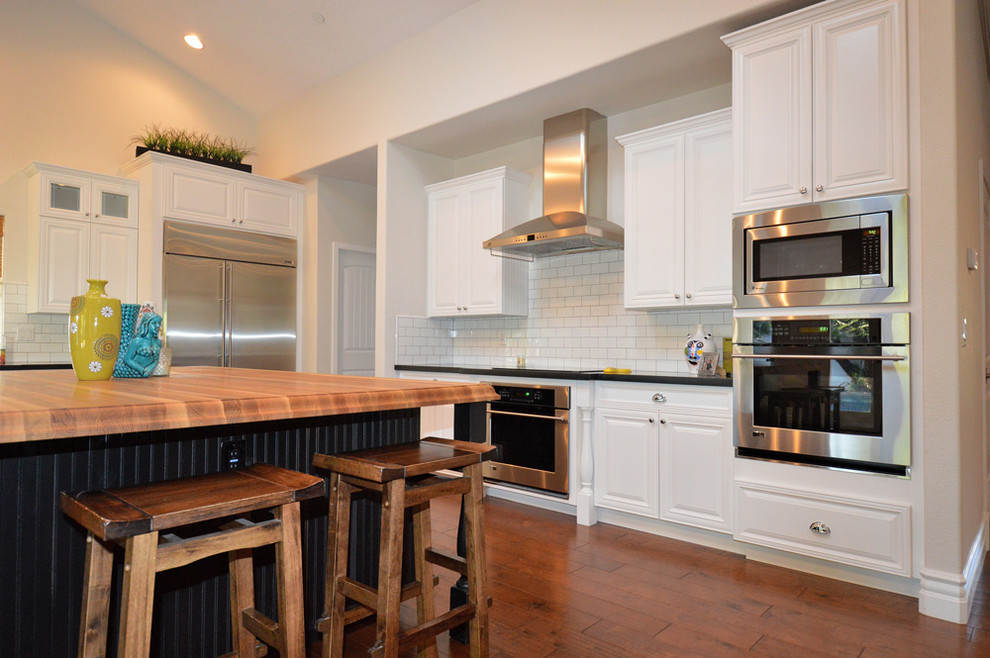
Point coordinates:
[(34, 366), (598, 375)]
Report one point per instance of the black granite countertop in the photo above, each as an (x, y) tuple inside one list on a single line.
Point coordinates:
[(35, 366), (599, 375)]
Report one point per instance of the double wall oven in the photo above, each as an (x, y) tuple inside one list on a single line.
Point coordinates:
[(528, 425), (812, 387)]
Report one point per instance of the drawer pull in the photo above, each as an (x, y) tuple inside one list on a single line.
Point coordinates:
[(820, 527), (659, 397)]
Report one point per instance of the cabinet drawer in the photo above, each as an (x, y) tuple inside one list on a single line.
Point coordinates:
[(856, 532), (708, 399)]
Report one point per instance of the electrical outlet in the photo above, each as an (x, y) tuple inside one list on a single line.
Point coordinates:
[(25, 333), (233, 454)]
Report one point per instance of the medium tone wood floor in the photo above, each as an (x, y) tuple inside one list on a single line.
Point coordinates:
[(560, 589)]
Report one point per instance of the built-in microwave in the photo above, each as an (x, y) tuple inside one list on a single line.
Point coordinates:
[(839, 252)]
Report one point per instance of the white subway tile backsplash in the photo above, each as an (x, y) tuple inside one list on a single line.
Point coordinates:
[(576, 321)]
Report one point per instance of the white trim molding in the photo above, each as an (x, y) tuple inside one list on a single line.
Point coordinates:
[(949, 596)]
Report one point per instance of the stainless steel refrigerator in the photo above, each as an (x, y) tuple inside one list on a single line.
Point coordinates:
[(229, 297)]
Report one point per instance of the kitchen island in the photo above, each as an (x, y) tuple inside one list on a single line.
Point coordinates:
[(60, 434)]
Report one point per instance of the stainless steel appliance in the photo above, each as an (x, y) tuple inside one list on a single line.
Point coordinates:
[(529, 426), (575, 155), (229, 297), (826, 390), (840, 252)]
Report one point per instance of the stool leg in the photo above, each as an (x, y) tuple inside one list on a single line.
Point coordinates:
[(422, 542), (288, 556), (140, 552), (96, 598), (241, 564), (477, 578), (338, 539), (390, 569)]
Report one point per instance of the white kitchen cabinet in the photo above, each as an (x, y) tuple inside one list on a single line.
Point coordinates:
[(678, 205), (819, 102), (437, 420), (462, 277), (208, 194), (80, 226), (665, 451), (627, 466), (862, 533)]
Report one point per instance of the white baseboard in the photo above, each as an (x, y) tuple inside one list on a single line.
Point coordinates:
[(949, 596)]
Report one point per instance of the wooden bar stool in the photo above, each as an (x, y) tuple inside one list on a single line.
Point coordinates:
[(405, 477), (135, 518)]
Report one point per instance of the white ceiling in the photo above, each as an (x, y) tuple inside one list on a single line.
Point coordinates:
[(261, 53)]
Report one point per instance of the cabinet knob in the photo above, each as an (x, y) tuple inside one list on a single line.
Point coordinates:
[(659, 398), (803, 190), (233, 221), (663, 421), (87, 214), (96, 215), (819, 188), (688, 295), (820, 527), (677, 295), (651, 420), (240, 221)]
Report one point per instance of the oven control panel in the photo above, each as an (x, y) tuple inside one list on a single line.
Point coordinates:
[(534, 396), (817, 331)]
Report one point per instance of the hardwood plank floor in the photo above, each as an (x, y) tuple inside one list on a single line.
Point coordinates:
[(560, 589)]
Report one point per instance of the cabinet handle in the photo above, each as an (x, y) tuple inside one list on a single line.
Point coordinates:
[(659, 397), (87, 214), (96, 215), (651, 420), (819, 188), (663, 421), (688, 295), (803, 190), (820, 527), (677, 295)]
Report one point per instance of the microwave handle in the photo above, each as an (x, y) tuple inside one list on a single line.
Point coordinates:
[(559, 419), (833, 357)]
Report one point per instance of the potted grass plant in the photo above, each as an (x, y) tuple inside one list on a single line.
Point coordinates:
[(192, 145)]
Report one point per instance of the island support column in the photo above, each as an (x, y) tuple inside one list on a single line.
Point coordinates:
[(470, 424)]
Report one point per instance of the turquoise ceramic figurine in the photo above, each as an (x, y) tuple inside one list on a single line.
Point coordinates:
[(141, 356)]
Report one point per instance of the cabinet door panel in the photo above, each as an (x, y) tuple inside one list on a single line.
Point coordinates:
[(697, 479), (860, 104), (115, 204), (65, 196), (199, 197), (771, 104), (484, 219), (708, 217), (627, 461), (444, 253), (113, 256), (654, 272), (63, 263), (267, 208)]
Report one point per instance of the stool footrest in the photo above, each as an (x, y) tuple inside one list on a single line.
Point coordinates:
[(359, 612), (447, 561), (240, 534), (260, 651), (262, 627), (435, 626)]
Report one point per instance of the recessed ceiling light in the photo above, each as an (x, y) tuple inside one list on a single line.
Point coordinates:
[(193, 41), (317, 17)]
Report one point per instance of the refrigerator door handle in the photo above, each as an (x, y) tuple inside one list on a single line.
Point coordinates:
[(227, 341)]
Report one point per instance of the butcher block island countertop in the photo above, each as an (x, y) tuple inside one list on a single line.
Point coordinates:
[(49, 404)]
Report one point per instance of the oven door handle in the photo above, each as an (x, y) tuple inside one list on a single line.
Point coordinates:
[(833, 357), (562, 419)]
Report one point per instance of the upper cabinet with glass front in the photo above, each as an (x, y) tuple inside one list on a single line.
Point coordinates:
[(70, 194)]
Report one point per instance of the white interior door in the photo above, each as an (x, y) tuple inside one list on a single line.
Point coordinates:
[(985, 218), (355, 312)]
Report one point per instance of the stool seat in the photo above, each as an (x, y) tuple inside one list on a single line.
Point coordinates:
[(135, 517), (406, 460), (398, 474), (119, 513)]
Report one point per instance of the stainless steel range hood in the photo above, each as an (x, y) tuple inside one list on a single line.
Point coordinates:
[(574, 194)]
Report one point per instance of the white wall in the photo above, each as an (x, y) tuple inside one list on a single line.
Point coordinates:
[(75, 91)]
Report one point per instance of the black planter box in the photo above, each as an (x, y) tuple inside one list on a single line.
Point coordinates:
[(138, 150)]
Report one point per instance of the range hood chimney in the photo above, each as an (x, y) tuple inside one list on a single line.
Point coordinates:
[(575, 181)]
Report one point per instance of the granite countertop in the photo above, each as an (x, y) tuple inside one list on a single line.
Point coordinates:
[(599, 375)]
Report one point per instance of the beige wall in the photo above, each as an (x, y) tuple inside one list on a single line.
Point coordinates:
[(75, 91), (954, 136)]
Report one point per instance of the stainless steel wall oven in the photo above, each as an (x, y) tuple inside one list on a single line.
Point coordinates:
[(825, 390), (529, 426)]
